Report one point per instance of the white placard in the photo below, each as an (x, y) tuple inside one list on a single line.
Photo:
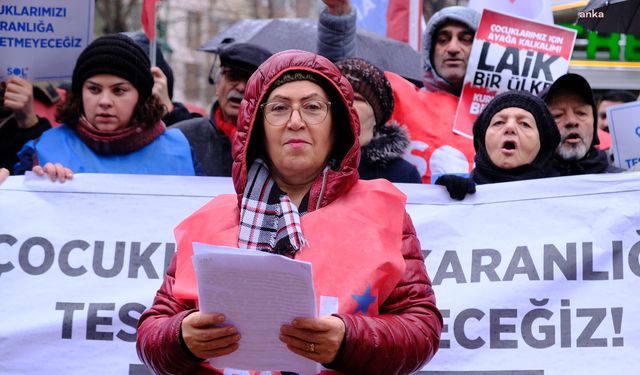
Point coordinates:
[(40, 40), (624, 125)]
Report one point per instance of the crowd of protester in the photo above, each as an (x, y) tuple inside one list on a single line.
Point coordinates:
[(306, 128)]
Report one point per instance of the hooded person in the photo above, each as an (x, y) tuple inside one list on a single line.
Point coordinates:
[(515, 139), (298, 194), (382, 145), (570, 100), (110, 120), (446, 46), (428, 112)]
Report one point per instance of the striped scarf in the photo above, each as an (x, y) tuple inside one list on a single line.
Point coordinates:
[(269, 221)]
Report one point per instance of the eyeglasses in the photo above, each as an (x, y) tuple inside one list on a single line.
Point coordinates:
[(312, 112)]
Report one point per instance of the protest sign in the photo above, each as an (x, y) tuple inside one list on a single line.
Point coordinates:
[(510, 53), (532, 277), (624, 125), (40, 40)]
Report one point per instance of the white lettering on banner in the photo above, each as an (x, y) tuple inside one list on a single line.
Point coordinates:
[(558, 287), (531, 71)]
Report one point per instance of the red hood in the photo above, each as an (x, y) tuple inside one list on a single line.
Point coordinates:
[(338, 180)]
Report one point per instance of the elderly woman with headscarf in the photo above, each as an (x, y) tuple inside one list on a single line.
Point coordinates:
[(515, 139), (382, 144), (298, 195)]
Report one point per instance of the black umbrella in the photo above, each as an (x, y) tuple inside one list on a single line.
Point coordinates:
[(280, 34), (611, 16)]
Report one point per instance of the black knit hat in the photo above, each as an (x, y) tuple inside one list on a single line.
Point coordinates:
[(118, 55), (370, 82), (486, 171), (141, 39), (549, 135)]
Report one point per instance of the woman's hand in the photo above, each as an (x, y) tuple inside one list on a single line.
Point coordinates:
[(318, 339), (4, 173), (206, 338), (55, 171), (161, 88)]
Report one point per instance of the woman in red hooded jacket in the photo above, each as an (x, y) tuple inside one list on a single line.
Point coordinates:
[(296, 155)]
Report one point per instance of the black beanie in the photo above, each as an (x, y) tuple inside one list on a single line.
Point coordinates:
[(485, 171), (370, 82), (118, 55), (547, 130), (141, 39)]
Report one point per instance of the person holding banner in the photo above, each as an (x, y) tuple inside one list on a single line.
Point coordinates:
[(515, 139), (574, 110), (296, 155), (111, 120), (4, 173), (381, 144)]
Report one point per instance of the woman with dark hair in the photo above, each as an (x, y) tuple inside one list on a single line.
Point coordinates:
[(298, 195), (110, 120)]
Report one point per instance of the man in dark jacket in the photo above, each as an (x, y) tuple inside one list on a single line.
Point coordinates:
[(211, 138), (571, 103)]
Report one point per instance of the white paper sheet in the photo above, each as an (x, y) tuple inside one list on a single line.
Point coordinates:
[(258, 292)]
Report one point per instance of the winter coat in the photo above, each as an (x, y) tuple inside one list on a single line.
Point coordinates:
[(210, 145), (169, 154), (435, 150), (595, 161), (398, 341), (12, 138), (382, 157), (433, 81)]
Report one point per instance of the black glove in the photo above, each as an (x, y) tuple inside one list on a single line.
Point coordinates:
[(457, 186)]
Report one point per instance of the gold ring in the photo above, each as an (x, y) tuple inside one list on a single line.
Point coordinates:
[(312, 347)]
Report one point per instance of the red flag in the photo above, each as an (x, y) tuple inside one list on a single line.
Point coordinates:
[(403, 21), (148, 18)]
